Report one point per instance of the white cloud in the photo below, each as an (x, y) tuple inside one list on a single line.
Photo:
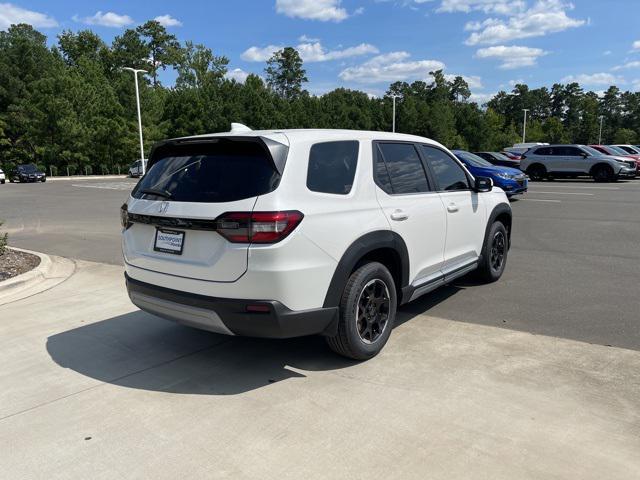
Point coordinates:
[(499, 7), (168, 21), (474, 81), (481, 98), (315, 52), (108, 19), (260, 54), (607, 53), (323, 10), (594, 79), (634, 64), (544, 17), (390, 67), (238, 75), (307, 39), (517, 81), (11, 14), (636, 45), (512, 56), (309, 52)]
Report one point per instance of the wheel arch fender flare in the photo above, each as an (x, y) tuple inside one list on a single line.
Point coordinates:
[(501, 211), (594, 167), (359, 249)]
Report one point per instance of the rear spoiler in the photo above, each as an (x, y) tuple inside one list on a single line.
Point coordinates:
[(276, 150)]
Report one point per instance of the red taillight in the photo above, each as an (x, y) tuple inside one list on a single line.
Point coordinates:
[(257, 227)]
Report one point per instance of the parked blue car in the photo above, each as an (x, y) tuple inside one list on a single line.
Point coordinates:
[(511, 180)]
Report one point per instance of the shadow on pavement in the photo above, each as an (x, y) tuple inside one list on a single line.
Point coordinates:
[(138, 350)]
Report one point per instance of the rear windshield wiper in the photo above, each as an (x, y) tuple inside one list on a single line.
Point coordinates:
[(156, 191)]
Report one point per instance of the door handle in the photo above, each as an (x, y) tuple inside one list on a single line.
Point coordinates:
[(399, 215), (452, 207)]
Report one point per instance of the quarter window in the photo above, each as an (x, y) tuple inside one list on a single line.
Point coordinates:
[(399, 169), (332, 167), (449, 174)]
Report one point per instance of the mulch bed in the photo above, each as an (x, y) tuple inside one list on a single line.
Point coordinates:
[(14, 263)]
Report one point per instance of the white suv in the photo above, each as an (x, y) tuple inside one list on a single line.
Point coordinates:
[(287, 233), (2, 177)]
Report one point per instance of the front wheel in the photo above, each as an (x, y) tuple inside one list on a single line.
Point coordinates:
[(494, 256), (603, 173), (367, 313), (537, 172)]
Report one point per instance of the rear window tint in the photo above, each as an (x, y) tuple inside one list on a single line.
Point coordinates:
[(332, 167), (404, 168), (224, 171)]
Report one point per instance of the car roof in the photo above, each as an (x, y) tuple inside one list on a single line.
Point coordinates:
[(317, 134)]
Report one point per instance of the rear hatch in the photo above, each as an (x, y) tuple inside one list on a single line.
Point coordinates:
[(170, 219)]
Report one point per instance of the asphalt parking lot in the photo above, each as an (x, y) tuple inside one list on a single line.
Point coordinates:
[(573, 271), (534, 377)]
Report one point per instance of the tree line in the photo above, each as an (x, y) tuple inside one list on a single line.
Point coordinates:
[(71, 107)]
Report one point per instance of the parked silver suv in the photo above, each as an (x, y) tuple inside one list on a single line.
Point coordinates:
[(572, 161)]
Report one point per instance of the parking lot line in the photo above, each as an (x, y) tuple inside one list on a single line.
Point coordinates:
[(569, 186), (565, 193), (539, 200)]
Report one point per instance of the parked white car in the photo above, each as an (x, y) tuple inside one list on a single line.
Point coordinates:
[(285, 233), (574, 161), (2, 177), (135, 169)]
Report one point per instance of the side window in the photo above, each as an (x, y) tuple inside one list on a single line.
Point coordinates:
[(574, 152), (404, 168), (332, 167), (543, 151), (449, 174)]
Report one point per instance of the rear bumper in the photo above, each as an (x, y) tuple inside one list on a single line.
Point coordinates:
[(230, 316)]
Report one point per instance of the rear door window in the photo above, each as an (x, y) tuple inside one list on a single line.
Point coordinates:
[(224, 171), (332, 167), (399, 169)]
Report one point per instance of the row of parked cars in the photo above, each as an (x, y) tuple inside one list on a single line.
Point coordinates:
[(512, 168)]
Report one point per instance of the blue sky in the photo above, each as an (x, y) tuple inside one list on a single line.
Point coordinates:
[(367, 44)]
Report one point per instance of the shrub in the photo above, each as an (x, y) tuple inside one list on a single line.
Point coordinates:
[(3, 241)]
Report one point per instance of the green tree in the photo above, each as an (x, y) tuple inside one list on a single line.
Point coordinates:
[(285, 73), (164, 48)]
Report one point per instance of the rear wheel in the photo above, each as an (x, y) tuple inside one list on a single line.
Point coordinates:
[(494, 256), (603, 173), (537, 172), (367, 313)]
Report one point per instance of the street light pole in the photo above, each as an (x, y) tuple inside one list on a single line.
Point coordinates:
[(524, 125), (393, 127), (135, 76), (600, 134)]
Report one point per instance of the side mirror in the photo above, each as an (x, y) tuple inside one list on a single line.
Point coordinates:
[(483, 184)]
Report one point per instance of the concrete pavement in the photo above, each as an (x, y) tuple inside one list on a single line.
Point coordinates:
[(92, 388)]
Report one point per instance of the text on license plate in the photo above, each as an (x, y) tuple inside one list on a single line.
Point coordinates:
[(169, 241)]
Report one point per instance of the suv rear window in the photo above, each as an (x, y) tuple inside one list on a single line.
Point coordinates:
[(332, 167), (224, 171)]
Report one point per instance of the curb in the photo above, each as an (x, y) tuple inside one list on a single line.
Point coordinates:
[(86, 177), (30, 278), (50, 272)]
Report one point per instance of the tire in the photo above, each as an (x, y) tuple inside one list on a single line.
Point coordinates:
[(603, 173), (537, 172), (494, 256), (43, 180), (2, 182), (370, 294)]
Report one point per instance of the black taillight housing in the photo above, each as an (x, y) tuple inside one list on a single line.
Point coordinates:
[(124, 216)]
